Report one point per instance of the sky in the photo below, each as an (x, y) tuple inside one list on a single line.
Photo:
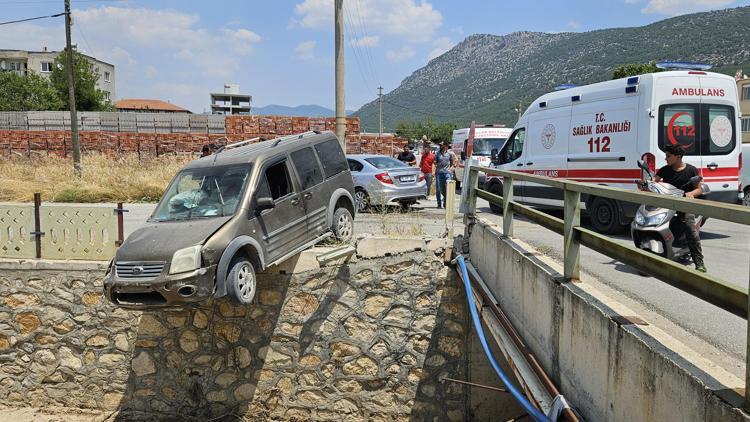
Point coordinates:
[(282, 51)]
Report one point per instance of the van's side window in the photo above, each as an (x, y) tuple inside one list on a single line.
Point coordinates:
[(307, 167), (276, 182), (514, 148), (355, 165), (332, 157)]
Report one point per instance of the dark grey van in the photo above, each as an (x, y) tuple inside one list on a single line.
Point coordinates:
[(228, 215)]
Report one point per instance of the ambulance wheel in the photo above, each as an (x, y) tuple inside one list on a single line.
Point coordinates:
[(605, 215), (496, 189)]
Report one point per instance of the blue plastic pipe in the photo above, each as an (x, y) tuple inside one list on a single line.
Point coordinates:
[(535, 413)]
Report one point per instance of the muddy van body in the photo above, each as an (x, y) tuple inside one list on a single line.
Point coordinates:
[(226, 216)]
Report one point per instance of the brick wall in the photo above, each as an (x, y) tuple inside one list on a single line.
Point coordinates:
[(24, 143)]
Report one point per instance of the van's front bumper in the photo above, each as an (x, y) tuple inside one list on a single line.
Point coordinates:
[(166, 290)]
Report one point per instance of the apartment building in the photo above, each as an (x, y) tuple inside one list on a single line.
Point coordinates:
[(743, 88), (41, 62)]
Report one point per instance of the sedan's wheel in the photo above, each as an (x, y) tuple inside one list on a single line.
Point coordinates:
[(362, 200), (241, 284), (343, 225)]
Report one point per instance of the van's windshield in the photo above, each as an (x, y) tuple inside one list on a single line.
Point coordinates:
[(484, 146), (203, 193)]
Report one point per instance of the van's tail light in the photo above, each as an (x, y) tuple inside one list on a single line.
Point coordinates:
[(384, 178), (421, 176), (650, 161)]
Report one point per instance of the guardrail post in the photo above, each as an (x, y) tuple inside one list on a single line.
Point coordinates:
[(471, 191), (571, 247), (38, 233), (507, 208), (450, 206)]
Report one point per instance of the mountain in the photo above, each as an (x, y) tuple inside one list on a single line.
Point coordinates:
[(484, 77), (310, 110)]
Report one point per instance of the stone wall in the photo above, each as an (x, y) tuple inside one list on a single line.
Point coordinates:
[(368, 340)]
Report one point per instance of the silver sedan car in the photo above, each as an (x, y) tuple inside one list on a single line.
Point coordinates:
[(382, 180)]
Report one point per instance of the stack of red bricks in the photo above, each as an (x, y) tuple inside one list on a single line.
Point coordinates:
[(22, 143)]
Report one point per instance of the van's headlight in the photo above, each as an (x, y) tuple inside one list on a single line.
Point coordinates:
[(640, 219), (187, 259)]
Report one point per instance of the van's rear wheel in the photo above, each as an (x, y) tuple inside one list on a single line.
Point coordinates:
[(343, 225), (605, 216), (496, 189), (241, 282), (746, 198)]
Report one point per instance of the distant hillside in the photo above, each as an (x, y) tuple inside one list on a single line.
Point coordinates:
[(310, 110), (484, 77)]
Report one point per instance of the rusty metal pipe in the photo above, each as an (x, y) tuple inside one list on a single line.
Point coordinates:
[(567, 414)]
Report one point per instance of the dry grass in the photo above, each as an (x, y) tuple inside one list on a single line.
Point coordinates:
[(104, 179)]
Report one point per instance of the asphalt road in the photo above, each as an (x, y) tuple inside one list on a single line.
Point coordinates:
[(705, 328)]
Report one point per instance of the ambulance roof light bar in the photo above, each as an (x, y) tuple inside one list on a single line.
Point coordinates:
[(671, 65)]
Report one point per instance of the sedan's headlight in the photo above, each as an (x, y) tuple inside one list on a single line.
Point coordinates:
[(187, 259)]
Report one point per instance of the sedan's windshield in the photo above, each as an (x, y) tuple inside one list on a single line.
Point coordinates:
[(385, 162), (203, 193), (484, 146)]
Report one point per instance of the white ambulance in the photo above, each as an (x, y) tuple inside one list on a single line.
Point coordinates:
[(597, 133), (486, 139)]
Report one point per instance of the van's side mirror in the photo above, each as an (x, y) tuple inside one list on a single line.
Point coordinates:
[(463, 156), (493, 155), (264, 203)]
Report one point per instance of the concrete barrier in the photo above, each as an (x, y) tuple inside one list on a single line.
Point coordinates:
[(608, 363)]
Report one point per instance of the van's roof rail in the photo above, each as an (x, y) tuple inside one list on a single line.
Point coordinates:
[(298, 136), (237, 144)]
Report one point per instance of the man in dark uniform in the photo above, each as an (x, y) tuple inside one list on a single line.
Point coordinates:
[(678, 174)]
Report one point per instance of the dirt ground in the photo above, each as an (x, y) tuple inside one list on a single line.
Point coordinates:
[(27, 414)]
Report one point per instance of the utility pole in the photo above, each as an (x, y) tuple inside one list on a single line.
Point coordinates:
[(72, 96), (380, 103), (338, 6)]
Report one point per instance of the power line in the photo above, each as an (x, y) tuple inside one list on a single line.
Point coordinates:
[(33, 19)]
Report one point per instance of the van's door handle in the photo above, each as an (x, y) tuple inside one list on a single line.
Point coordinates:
[(307, 195), (295, 201), (712, 166), (529, 163), (519, 164)]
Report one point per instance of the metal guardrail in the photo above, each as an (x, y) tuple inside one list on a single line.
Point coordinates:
[(60, 231), (701, 285)]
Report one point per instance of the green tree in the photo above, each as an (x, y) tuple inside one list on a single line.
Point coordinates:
[(435, 132), (88, 98), (27, 93), (634, 69)]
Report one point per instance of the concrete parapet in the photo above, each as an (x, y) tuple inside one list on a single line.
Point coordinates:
[(608, 363)]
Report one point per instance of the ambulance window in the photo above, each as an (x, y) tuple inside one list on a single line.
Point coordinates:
[(718, 132), (514, 148), (679, 126)]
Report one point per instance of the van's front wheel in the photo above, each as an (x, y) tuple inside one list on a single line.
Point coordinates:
[(241, 282), (343, 225), (605, 216), (496, 189)]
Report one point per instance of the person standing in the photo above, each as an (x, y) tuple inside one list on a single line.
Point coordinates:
[(406, 156), (445, 164), (678, 173), (426, 166)]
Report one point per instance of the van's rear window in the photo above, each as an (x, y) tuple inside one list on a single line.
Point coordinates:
[(701, 129)]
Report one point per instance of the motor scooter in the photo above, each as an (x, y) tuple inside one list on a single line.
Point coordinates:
[(652, 228)]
